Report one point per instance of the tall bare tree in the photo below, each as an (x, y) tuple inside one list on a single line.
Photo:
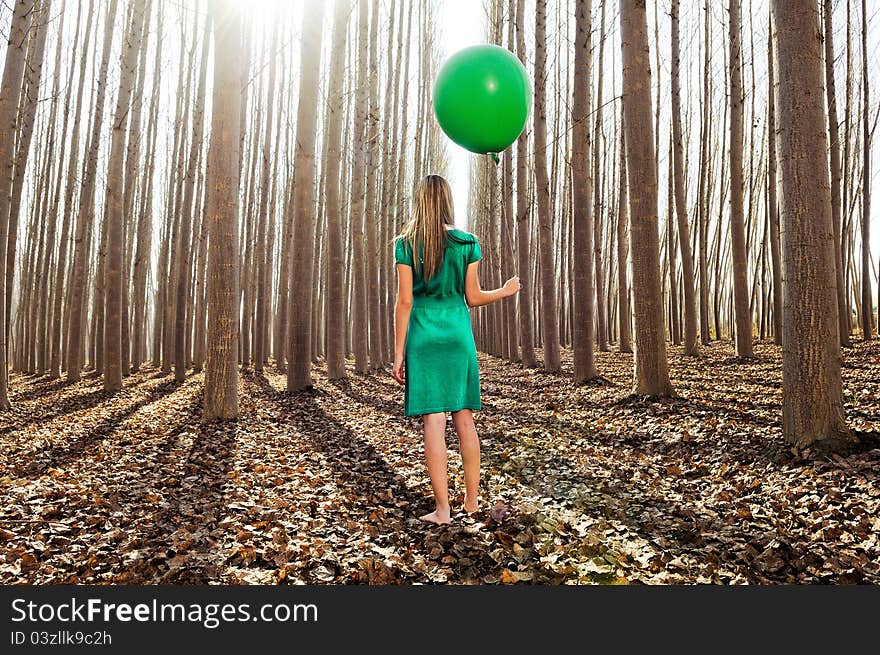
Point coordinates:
[(114, 222), (866, 186), (523, 231), (10, 92), (651, 375), (182, 309), (334, 310), (224, 161), (549, 316), (834, 145), (737, 224), (691, 344), (304, 197), (812, 405), (772, 202), (583, 329), (85, 214)]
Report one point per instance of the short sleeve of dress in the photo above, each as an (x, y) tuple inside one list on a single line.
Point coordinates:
[(402, 253), (475, 253)]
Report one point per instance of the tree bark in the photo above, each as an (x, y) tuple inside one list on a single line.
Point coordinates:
[(304, 196), (85, 216), (10, 92), (772, 203), (114, 223), (867, 313), (335, 308), (583, 329), (651, 375), (360, 319), (624, 310), (184, 255), (812, 404), (834, 145), (222, 182), (523, 238), (691, 345), (549, 317), (737, 225)]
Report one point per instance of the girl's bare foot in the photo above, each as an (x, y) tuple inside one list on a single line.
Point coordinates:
[(471, 505), (437, 517)]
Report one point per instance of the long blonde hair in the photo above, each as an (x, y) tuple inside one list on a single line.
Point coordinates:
[(426, 230)]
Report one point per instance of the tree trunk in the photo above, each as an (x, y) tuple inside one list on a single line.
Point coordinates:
[(360, 322), (266, 189), (222, 182), (114, 222), (703, 195), (335, 311), (834, 144), (300, 308), (624, 310), (651, 375), (866, 187), (583, 329), (184, 255), (812, 404), (691, 345), (26, 114), (549, 317), (10, 92), (772, 203), (85, 216), (737, 225), (601, 309), (523, 238)]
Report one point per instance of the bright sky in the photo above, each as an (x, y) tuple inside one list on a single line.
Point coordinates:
[(463, 25)]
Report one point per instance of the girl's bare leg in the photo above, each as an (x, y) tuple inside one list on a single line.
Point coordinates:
[(469, 445), (436, 459)]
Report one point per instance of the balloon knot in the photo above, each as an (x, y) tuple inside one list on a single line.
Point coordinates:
[(495, 157)]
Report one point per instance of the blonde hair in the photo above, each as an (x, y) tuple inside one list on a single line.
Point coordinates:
[(426, 230)]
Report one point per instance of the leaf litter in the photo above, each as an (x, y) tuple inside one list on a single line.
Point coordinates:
[(581, 485)]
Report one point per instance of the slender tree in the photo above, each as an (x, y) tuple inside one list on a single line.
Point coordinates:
[(336, 292), (222, 182), (549, 316), (583, 329), (85, 215), (183, 310), (10, 92), (691, 344), (737, 224), (651, 374), (834, 145), (772, 203), (115, 218), (624, 310), (523, 231), (300, 305), (866, 186)]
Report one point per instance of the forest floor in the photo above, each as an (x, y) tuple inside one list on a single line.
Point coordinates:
[(581, 484)]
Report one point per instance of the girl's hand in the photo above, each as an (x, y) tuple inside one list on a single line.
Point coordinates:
[(512, 286), (397, 369)]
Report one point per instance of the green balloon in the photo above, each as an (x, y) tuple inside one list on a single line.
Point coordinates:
[(482, 98)]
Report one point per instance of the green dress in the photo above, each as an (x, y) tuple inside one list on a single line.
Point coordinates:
[(441, 373)]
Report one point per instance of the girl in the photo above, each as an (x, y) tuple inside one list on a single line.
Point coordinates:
[(433, 337)]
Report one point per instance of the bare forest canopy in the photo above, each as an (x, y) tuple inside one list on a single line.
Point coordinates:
[(192, 186)]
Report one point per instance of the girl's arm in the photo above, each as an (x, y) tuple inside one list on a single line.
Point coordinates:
[(476, 297), (401, 317)]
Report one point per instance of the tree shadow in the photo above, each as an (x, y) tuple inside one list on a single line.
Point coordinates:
[(182, 549), (368, 482), (57, 455)]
